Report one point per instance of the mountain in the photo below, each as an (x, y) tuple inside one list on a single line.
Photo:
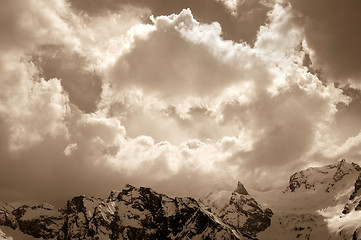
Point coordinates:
[(324, 177), (237, 209), (318, 203), (313, 204), (133, 213)]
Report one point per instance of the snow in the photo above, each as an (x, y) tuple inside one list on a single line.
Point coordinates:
[(7, 233), (7, 207), (39, 213), (313, 213), (345, 223), (217, 197), (169, 207), (4, 237), (130, 216), (90, 204), (131, 196)]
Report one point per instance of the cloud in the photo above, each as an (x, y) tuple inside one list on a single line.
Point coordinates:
[(332, 32), (269, 97), (188, 56), (82, 85), (240, 20), (173, 103), (30, 106)]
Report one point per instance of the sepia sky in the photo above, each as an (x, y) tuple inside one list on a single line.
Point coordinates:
[(174, 94)]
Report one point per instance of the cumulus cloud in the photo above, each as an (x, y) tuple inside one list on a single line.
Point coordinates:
[(31, 107), (240, 19), (167, 103), (178, 44)]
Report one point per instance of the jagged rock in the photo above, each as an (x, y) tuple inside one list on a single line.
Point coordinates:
[(355, 198), (245, 214), (39, 221), (357, 188), (342, 170), (356, 166), (6, 216), (241, 189), (133, 213), (346, 209), (79, 212)]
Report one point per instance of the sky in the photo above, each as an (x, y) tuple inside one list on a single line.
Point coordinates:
[(175, 95)]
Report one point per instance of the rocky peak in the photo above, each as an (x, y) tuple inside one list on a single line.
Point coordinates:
[(132, 213), (343, 168), (238, 209), (325, 177), (241, 189), (113, 195)]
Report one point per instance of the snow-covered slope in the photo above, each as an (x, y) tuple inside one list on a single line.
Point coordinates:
[(237, 209), (133, 213), (311, 206), (322, 178), (319, 203)]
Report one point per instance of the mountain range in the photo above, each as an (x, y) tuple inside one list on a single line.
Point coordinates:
[(318, 203)]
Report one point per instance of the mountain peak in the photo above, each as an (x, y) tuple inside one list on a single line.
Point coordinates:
[(324, 177), (241, 189)]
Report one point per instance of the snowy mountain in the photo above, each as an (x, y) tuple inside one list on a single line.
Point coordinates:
[(318, 203), (133, 213), (313, 204), (237, 209), (322, 177)]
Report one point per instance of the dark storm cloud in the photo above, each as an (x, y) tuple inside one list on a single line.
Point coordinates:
[(83, 86), (242, 25), (333, 32)]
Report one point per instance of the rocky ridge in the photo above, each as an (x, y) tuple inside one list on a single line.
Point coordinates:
[(133, 213), (319, 203), (322, 177)]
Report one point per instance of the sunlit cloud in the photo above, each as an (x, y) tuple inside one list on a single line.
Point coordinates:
[(163, 101)]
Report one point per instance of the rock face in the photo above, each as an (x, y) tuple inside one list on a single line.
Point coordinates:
[(355, 198), (6, 216), (241, 211), (319, 203), (322, 177), (138, 213), (38, 221)]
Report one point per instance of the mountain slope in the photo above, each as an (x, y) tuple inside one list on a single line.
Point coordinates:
[(317, 178), (311, 206), (319, 203), (133, 213), (237, 209)]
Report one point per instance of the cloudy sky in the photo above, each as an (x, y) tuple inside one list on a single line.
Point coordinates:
[(174, 94)]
